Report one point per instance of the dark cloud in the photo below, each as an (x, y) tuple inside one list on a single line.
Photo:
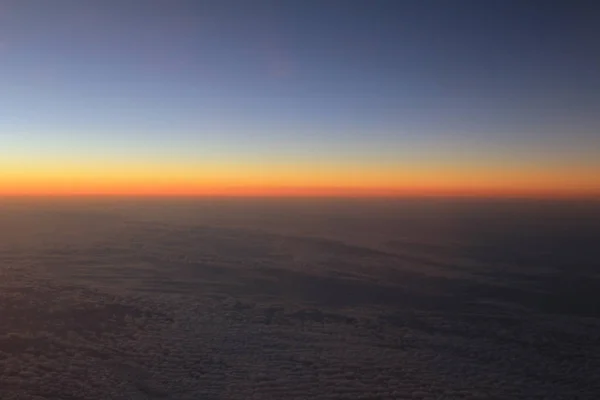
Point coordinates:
[(103, 304)]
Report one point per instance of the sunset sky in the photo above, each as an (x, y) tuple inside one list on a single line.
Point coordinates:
[(310, 97)]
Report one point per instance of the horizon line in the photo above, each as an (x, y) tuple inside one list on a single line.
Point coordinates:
[(503, 196)]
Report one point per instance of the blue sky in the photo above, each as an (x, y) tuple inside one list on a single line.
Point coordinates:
[(371, 80)]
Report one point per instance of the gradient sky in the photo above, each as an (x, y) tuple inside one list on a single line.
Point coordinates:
[(369, 97)]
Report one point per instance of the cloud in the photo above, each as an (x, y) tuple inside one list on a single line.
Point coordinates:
[(111, 304)]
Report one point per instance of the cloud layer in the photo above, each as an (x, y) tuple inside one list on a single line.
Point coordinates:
[(97, 304)]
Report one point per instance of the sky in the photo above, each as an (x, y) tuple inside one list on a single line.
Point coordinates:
[(312, 97)]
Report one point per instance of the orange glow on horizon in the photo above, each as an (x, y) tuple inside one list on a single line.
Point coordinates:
[(297, 191), (294, 180)]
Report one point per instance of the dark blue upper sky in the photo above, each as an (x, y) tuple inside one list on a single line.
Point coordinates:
[(366, 78)]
